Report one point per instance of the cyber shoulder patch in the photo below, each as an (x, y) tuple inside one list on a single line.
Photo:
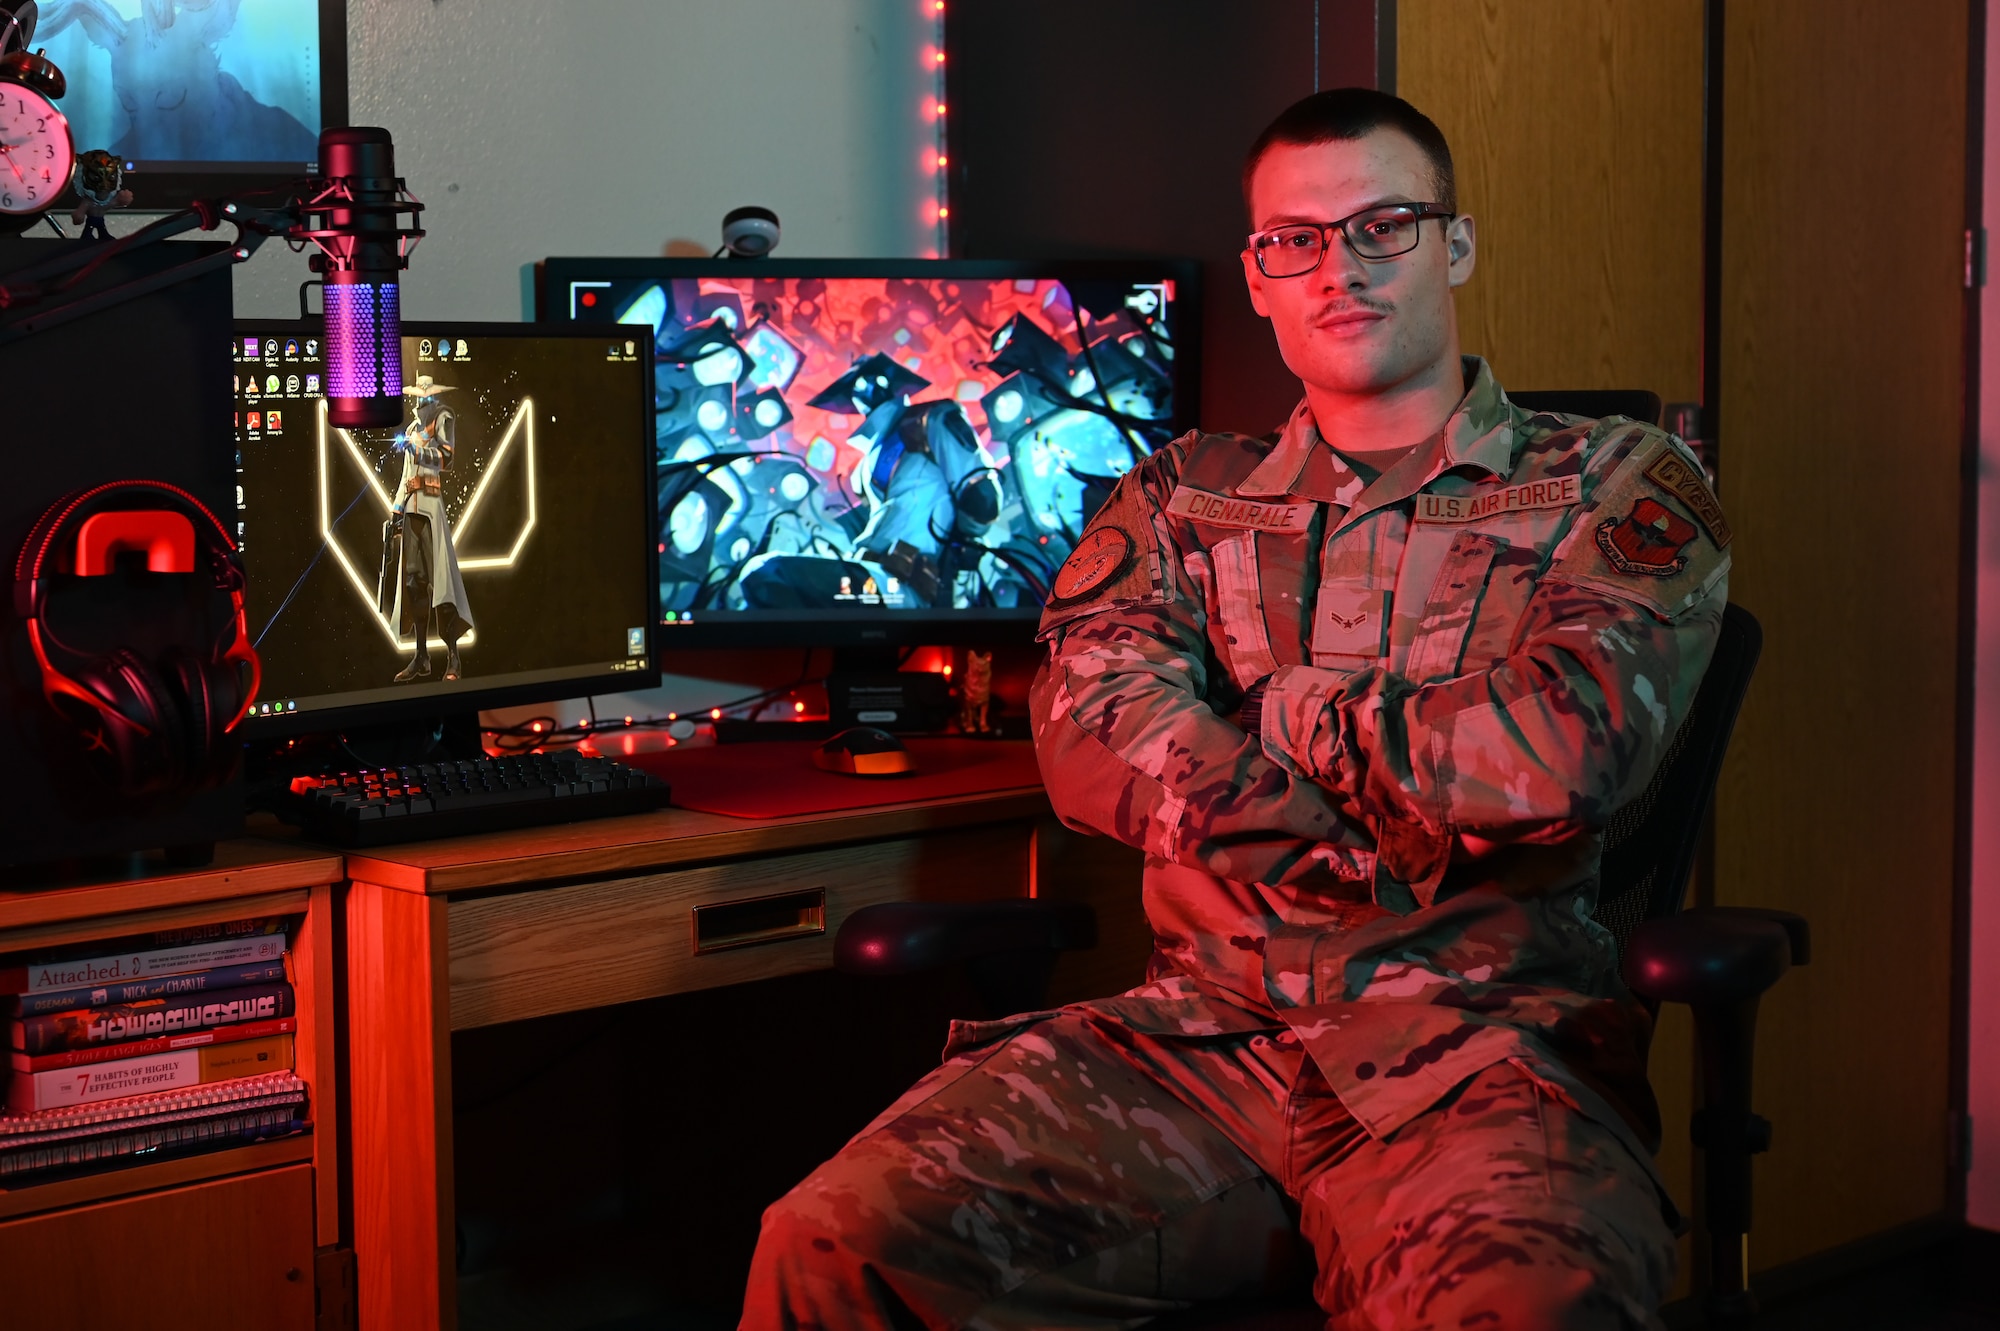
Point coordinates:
[(1228, 511), (1103, 554), (1684, 481), (1555, 492)]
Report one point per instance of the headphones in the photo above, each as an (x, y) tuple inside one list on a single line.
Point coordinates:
[(148, 727)]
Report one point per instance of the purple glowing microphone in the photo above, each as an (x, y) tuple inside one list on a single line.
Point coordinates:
[(362, 252)]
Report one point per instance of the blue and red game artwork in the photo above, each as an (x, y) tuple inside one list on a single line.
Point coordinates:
[(888, 443)]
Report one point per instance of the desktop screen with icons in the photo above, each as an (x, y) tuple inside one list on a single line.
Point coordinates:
[(842, 445), (497, 546)]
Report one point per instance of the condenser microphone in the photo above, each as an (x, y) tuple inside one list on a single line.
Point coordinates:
[(362, 252)]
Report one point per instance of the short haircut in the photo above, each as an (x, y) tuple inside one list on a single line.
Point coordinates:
[(1342, 114)]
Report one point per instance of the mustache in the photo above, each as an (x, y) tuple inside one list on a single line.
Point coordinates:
[(1353, 305)]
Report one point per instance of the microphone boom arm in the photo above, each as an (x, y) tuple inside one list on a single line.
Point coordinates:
[(26, 286), (304, 216)]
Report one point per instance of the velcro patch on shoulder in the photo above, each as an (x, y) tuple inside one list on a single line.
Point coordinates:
[(1101, 556), (1554, 492), (1683, 480), (1643, 535), (1116, 564), (1219, 510)]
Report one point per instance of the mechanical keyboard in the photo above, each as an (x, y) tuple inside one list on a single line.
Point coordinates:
[(378, 806)]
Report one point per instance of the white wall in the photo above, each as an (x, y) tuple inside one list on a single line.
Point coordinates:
[(538, 127), (532, 128), (1983, 1187)]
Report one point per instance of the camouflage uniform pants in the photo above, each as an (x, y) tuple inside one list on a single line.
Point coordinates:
[(1071, 1172)]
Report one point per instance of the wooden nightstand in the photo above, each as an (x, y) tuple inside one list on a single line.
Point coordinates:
[(229, 1239)]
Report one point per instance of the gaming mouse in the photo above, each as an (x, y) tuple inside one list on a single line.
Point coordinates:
[(864, 751)]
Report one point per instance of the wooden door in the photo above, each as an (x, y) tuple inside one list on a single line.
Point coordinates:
[(231, 1254), (1575, 129), (1576, 124), (1842, 395)]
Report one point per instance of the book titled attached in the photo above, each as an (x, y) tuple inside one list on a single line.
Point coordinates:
[(29, 1091), (168, 952), (138, 991)]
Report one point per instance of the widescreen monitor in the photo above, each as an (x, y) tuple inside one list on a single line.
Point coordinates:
[(863, 452), (510, 516), (200, 100)]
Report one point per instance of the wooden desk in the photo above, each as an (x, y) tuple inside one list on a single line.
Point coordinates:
[(454, 934), (229, 1239)]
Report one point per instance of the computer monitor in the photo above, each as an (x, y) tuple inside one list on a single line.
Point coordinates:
[(877, 452), (515, 503), (200, 101)]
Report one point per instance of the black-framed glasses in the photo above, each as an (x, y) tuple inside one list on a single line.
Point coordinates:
[(1382, 232)]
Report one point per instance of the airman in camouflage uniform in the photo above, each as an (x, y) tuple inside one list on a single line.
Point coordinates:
[(1366, 724)]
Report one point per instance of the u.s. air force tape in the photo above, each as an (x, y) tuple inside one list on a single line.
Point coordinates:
[(1555, 492), (1229, 511)]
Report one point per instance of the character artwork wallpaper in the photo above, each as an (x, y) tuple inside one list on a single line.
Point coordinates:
[(498, 536), (833, 445)]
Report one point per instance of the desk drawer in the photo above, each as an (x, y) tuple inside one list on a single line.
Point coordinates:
[(232, 1254), (533, 952)]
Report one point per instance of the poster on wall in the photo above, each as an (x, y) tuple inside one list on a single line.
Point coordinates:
[(212, 87)]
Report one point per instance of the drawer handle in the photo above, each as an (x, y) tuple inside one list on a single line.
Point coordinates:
[(759, 920)]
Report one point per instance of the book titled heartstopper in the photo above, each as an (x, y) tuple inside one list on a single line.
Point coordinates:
[(150, 1018), (159, 1044)]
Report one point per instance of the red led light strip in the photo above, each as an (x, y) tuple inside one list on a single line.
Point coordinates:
[(939, 206)]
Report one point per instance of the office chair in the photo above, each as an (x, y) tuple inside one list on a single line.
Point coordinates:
[(1640, 404), (1717, 959)]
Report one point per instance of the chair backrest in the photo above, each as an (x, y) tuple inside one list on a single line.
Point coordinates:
[(1650, 844), (1638, 404)]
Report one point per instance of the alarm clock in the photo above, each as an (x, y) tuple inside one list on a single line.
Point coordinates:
[(36, 154)]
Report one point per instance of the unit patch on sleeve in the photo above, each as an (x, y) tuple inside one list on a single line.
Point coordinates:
[(1555, 492), (1102, 554), (1648, 540), (1229, 511), (1684, 481)]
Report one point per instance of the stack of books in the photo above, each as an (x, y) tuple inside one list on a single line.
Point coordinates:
[(137, 1048)]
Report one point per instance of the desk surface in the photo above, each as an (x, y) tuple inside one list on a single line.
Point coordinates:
[(666, 838), (247, 868)]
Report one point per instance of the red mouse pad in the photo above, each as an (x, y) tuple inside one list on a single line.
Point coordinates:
[(777, 779)]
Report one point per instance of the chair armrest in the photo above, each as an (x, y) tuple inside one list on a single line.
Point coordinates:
[(1714, 954), (900, 937)]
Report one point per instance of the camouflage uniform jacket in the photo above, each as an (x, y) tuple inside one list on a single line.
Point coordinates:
[(1470, 661)]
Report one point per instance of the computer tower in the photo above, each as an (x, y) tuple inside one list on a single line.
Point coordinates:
[(140, 389)]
